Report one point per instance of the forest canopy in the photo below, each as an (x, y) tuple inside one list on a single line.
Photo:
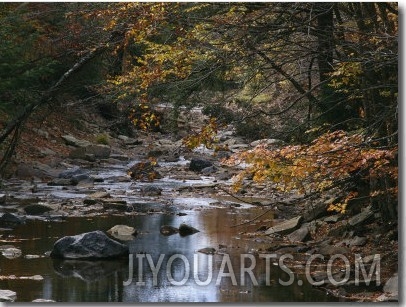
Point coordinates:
[(323, 77)]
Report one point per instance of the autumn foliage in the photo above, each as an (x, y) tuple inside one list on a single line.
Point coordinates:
[(207, 136), (329, 161)]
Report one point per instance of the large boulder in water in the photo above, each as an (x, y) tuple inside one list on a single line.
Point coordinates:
[(90, 245)]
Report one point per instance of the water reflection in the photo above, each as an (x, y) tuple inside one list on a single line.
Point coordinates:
[(174, 281), (88, 271)]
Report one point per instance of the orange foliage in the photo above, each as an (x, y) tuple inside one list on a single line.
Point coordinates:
[(332, 158), (206, 136)]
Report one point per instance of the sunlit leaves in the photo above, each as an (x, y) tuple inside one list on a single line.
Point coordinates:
[(144, 117), (206, 136), (331, 158)]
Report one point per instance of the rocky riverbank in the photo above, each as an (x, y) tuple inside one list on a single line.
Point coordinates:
[(61, 179)]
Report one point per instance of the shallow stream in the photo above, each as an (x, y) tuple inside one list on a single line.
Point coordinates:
[(34, 275)]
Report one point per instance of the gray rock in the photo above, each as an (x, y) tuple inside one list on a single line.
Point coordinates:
[(37, 209), (99, 151), (285, 227), (238, 147), (3, 198), (391, 286), (266, 142), (362, 218), (47, 152), (7, 296), (224, 175), (43, 300), (222, 154), (123, 137), (71, 140), (186, 230), (171, 157), (333, 218), (39, 170), (119, 157), (387, 298), (32, 256), (209, 170), (234, 140), (10, 220), (76, 173), (62, 182), (315, 211), (11, 253), (122, 232), (132, 142), (207, 250), (300, 235), (91, 152), (329, 250), (197, 165), (356, 241), (95, 197), (114, 203), (150, 190), (90, 245)]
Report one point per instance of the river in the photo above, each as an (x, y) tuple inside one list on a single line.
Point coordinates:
[(184, 275)]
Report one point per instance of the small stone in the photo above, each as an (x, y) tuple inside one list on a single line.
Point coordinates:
[(32, 256), (7, 296), (207, 250), (266, 142), (43, 300), (167, 230), (151, 191), (11, 253), (35, 277), (122, 232)]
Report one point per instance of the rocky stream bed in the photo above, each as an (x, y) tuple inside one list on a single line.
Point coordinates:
[(302, 252)]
